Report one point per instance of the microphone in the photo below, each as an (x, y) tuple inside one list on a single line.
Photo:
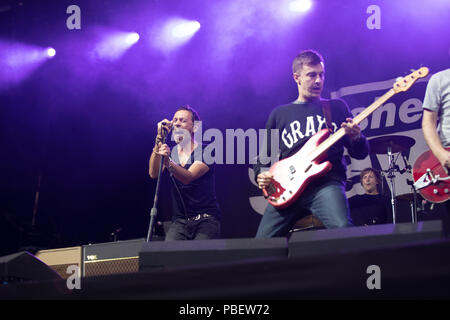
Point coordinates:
[(407, 164), (165, 130), (164, 125)]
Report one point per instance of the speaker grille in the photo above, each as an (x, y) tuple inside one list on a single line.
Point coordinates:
[(111, 266), (60, 259)]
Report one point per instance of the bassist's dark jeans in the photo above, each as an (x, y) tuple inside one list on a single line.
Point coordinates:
[(325, 200)]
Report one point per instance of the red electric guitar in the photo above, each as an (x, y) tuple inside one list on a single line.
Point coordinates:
[(292, 175), (430, 178)]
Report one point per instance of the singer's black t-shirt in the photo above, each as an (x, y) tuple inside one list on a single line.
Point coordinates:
[(197, 197)]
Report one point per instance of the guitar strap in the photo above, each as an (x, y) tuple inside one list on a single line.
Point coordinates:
[(326, 109)]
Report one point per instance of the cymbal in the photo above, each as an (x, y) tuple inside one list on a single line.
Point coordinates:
[(408, 196), (380, 145)]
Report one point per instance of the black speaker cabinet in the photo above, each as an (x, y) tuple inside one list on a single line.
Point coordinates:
[(23, 266), (214, 251), (111, 257), (330, 241)]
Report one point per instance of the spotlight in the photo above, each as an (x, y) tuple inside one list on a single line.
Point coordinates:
[(113, 44), (300, 5), (174, 33), (132, 38), (51, 52), (185, 29), (19, 60)]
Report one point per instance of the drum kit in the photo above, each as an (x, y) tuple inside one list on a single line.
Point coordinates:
[(394, 146)]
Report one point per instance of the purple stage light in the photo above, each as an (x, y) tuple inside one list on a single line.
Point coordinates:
[(51, 52), (113, 45), (174, 33), (132, 38), (18, 60), (184, 30), (300, 5)]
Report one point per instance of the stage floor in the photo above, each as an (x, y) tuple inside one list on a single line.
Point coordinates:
[(415, 270)]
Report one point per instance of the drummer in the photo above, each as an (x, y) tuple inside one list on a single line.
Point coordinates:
[(371, 207)]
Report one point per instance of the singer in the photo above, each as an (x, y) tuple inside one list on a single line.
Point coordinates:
[(195, 210)]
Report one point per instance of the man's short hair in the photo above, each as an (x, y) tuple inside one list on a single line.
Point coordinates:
[(306, 57), (375, 173), (186, 107)]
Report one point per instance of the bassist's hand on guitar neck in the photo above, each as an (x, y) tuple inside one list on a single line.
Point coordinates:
[(352, 129)]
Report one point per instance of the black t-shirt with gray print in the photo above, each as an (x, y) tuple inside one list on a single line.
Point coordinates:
[(297, 122)]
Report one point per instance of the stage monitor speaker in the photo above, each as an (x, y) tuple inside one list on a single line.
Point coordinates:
[(331, 241), (60, 259), (111, 257), (214, 251), (22, 267)]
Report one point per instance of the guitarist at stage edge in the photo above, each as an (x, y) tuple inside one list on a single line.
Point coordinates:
[(436, 109)]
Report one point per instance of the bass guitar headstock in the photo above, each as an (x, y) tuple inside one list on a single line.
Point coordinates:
[(405, 83)]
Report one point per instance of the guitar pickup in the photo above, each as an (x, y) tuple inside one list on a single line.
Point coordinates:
[(291, 172), (271, 189)]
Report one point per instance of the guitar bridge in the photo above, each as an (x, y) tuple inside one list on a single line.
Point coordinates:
[(428, 178), (424, 181)]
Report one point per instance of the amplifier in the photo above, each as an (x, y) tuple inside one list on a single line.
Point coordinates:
[(60, 259), (111, 257)]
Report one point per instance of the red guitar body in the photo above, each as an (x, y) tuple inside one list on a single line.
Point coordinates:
[(438, 190), (292, 175)]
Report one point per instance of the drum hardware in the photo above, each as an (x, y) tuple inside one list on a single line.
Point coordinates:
[(390, 145)]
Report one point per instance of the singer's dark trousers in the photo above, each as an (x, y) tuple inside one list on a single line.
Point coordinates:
[(204, 228)]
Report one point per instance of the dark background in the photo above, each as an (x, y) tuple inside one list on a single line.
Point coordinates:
[(87, 128)]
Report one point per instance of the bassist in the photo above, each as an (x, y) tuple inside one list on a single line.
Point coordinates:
[(325, 197)]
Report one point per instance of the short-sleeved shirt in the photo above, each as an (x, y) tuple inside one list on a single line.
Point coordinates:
[(437, 99), (197, 197)]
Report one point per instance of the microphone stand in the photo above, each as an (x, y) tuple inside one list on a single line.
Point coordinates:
[(391, 176), (154, 210)]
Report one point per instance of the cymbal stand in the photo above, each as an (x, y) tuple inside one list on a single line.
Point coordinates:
[(413, 204), (391, 176)]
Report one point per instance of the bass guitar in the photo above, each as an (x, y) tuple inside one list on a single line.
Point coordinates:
[(292, 175), (430, 178)]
